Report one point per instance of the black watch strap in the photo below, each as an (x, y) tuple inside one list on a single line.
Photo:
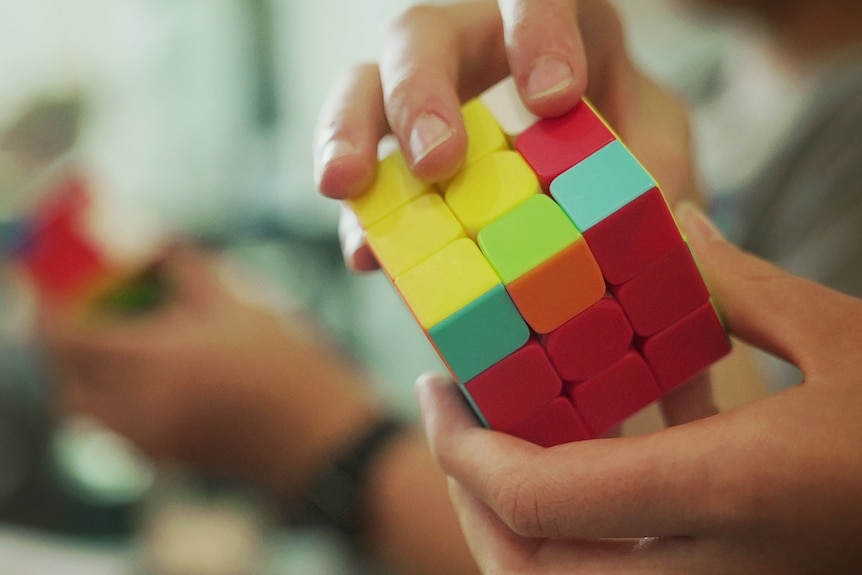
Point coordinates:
[(337, 493)]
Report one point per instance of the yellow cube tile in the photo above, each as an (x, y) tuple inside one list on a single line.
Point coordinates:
[(485, 190), (446, 282), (394, 186), (484, 134), (412, 233)]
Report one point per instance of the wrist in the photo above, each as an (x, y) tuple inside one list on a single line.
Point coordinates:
[(339, 492), (301, 447)]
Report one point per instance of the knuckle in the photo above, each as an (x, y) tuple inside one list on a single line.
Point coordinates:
[(520, 505), (412, 17)]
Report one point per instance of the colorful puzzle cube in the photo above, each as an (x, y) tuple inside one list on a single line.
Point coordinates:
[(77, 247), (549, 274)]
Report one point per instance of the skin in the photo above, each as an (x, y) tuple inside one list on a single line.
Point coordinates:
[(182, 359)]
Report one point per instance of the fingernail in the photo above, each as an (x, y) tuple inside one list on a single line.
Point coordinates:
[(430, 378), (549, 76), (424, 389), (695, 223), (336, 149), (351, 242), (428, 133)]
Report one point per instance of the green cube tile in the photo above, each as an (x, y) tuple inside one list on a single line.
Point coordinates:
[(600, 185), (480, 334), (526, 236)]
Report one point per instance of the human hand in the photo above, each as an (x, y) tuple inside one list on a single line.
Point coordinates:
[(211, 378), (772, 487), (435, 57)]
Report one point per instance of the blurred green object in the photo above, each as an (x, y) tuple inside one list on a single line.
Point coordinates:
[(144, 293)]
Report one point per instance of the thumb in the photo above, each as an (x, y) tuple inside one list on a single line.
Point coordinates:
[(782, 314)]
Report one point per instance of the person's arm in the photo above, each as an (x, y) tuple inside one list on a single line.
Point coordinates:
[(214, 381), (771, 487), (411, 524)]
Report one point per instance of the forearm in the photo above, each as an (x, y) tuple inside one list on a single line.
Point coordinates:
[(410, 524), (404, 518)]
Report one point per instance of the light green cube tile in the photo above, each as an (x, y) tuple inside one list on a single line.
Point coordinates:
[(526, 236)]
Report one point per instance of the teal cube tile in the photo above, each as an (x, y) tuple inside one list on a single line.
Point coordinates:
[(480, 334), (600, 185)]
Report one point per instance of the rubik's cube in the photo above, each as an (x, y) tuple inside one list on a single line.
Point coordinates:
[(549, 275), (77, 247)]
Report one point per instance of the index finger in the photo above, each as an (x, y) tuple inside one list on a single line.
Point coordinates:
[(350, 124), (435, 57), (546, 53)]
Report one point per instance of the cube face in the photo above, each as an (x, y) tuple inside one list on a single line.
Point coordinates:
[(686, 348), (486, 135), (62, 263), (559, 314), (510, 113), (57, 252), (555, 423)]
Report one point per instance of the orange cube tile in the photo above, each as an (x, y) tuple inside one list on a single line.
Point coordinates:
[(559, 288)]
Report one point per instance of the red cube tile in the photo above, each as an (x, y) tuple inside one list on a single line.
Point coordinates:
[(515, 388), (556, 423), (618, 392), (634, 237), (686, 348), (553, 145), (663, 293), (590, 342)]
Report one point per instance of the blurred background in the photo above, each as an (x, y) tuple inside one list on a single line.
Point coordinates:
[(201, 112)]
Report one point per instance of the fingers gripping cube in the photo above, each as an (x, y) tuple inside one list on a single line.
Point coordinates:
[(548, 274)]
